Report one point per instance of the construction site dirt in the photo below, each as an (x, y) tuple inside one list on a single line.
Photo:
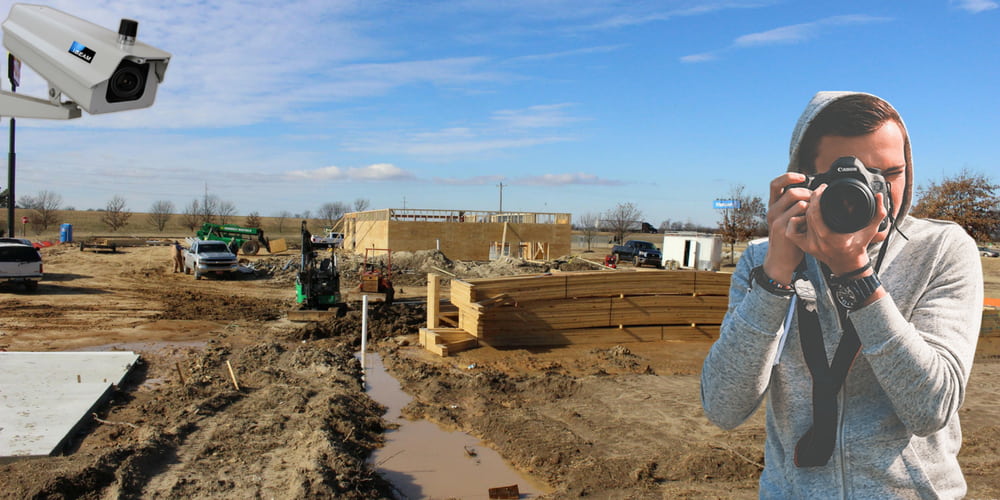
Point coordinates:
[(601, 421)]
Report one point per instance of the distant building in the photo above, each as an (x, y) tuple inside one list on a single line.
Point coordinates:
[(459, 234)]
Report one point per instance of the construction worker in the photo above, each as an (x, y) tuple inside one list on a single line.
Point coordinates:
[(176, 256)]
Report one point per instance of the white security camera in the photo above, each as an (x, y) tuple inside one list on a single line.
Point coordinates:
[(97, 69)]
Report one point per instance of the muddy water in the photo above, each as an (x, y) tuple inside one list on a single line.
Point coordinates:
[(424, 461)]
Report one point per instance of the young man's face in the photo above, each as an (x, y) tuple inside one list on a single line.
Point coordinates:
[(881, 149)]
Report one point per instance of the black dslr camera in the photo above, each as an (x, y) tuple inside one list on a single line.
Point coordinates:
[(848, 204)]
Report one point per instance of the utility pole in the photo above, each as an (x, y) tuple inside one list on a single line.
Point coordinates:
[(501, 196), (14, 75)]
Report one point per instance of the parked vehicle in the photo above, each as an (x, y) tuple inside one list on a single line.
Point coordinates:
[(988, 252), (330, 239), (638, 253), (22, 241), (209, 256), (20, 263)]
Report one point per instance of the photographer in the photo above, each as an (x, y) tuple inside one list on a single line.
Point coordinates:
[(858, 322)]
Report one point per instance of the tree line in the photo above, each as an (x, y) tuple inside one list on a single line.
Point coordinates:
[(44, 208), (969, 199)]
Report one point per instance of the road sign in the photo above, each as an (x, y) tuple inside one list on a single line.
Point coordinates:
[(24, 220), (726, 204)]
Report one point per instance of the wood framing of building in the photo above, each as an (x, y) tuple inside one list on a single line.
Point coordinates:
[(460, 234), (577, 307)]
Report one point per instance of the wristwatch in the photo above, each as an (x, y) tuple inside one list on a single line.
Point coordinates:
[(851, 293)]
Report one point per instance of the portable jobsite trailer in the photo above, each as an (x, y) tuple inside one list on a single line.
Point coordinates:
[(692, 251)]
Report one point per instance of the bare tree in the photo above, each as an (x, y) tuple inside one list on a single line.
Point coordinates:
[(191, 216), (967, 199), (282, 215), (116, 214), (361, 204), (588, 225), (226, 211), (160, 213), (208, 209), (745, 219), (44, 207), (253, 220), (333, 211), (621, 219)]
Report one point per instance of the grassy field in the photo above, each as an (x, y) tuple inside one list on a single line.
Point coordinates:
[(87, 224)]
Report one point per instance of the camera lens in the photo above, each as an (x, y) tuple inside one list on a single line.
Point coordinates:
[(847, 205), (128, 82)]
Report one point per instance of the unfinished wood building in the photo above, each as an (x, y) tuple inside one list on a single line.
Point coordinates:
[(459, 234)]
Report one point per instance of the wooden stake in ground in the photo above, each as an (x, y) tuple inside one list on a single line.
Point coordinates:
[(233, 375), (180, 373)]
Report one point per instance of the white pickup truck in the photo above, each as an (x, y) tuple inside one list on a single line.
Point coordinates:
[(209, 257), (20, 263), (329, 240)]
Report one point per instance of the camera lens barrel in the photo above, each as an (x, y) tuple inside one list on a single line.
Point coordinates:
[(128, 82), (848, 205)]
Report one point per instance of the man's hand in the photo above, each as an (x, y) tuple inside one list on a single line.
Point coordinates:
[(841, 252), (785, 209)]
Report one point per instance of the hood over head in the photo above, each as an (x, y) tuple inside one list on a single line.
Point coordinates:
[(805, 138)]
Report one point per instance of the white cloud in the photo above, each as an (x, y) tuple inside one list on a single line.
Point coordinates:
[(975, 6), (508, 129), (699, 58), (784, 35), (566, 179), (479, 180), (376, 172), (541, 116), (586, 51)]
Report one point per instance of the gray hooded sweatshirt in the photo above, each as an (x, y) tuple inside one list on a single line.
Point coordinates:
[(898, 432)]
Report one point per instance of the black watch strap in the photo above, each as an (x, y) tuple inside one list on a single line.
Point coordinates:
[(852, 293)]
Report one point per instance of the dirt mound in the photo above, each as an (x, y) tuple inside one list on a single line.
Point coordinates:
[(298, 427)]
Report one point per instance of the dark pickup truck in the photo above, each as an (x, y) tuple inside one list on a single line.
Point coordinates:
[(638, 253)]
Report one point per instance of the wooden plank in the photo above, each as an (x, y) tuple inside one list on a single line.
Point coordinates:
[(702, 333), (433, 300), (593, 284), (445, 341), (596, 312)]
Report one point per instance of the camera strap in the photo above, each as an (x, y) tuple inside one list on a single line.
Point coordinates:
[(815, 447)]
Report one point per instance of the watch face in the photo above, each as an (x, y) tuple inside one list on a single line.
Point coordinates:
[(846, 296)]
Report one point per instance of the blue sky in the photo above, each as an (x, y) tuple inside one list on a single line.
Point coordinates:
[(573, 105)]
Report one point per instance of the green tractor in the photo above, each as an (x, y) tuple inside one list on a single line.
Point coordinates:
[(247, 240)]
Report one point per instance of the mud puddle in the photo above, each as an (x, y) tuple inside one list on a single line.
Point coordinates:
[(421, 460)]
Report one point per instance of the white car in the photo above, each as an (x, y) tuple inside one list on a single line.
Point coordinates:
[(20, 263), (209, 257)]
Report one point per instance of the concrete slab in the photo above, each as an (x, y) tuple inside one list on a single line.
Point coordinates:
[(45, 396)]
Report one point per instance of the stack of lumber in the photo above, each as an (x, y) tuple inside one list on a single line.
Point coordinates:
[(591, 307)]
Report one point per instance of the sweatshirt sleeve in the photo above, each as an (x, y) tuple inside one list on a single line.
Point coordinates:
[(737, 370), (923, 364)]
